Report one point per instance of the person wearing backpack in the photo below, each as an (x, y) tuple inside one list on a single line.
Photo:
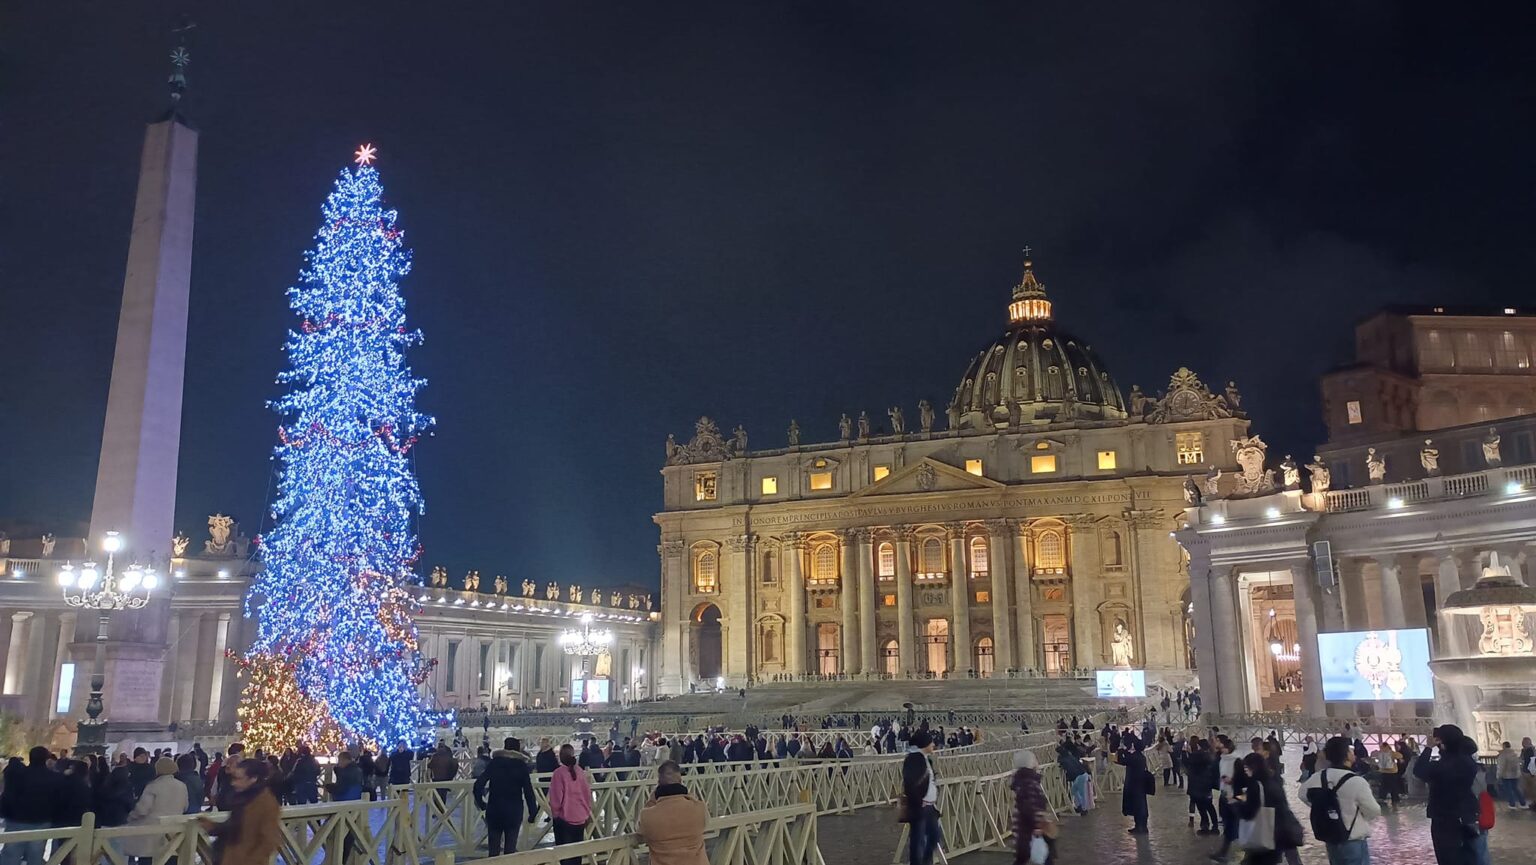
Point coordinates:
[(1342, 806)]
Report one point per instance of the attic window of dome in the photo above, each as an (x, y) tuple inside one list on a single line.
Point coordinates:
[(1082, 371), (1054, 369), (1103, 376), (1020, 371), (1048, 344)]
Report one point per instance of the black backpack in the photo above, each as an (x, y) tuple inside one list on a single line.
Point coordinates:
[(1327, 816)]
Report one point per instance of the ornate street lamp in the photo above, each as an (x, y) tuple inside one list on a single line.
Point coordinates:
[(586, 642), (105, 592)]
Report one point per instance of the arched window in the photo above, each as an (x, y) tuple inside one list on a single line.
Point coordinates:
[(979, 563), (824, 563), (706, 572), (892, 656), (933, 556), (984, 665), (887, 560), (1049, 551)]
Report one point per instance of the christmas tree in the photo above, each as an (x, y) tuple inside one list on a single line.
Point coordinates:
[(336, 655)]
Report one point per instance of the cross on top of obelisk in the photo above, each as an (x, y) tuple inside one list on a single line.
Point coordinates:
[(180, 58)]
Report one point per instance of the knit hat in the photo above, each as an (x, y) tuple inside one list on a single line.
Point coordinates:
[(1025, 760), (165, 766)]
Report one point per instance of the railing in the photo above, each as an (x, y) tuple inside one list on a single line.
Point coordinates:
[(1466, 485), (30, 567), (1348, 500), (776, 836), (976, 811), (1293, 728), (1413, 491), (1429, 489), (357, 833)]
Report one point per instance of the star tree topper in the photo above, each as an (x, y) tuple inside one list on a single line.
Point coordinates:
[(366, 154)]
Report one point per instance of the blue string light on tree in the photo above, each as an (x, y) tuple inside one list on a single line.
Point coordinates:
[(333, 595)]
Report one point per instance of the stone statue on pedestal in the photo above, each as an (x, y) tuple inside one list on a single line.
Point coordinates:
[(179, 545), (529, 587), (1234, 398), (671, 448), (574, 593), (219, 529), (925, 415), (1375, 466), (845, 428), (1290, 473), (1191, 492), (739, 440), (48, 544), (1321, 476), (1429, 458), (898, 422), (501, 584), (1491, 449), (1249, 451), (596, 597), (863, 425), (1213, 482), (1122, 648), (552, 592), (1139, 401), (794, 433)]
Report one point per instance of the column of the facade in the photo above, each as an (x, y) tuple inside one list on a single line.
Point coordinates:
[(674, 618), (7, 631), (905, 633), (1082, 565), (1024, 600), (229, 688), (1202, 614), (1224, 626), (220, 666), (16, 653), (869, 653), (202, 681), (1304, 594), (848, 585), (795, 585), (1393, 616), (168, 674), (997, 570), (960, 600), (35, 681), (736, 632), (47, 667)]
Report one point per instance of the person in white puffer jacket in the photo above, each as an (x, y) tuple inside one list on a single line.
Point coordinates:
[(1357, 806), (166, 796)]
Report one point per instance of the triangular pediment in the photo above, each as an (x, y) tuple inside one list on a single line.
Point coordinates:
[(927, 476)]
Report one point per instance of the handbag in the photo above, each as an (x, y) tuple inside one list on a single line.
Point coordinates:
[(1258, 834), (1039, 851)]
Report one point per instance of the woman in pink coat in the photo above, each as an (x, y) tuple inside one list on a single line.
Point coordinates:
[(570, 801)]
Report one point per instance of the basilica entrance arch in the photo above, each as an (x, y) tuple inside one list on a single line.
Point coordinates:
[(707, 643)]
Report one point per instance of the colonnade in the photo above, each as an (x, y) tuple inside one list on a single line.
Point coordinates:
[(1369, 593)]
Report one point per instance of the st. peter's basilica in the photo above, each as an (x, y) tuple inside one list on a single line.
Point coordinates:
[(1025, 528)]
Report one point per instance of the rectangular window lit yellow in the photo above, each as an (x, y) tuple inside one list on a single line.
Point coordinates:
[(821, 480), (1042, 464), (889, 600), (704, 487), (882, 472), (983, 597), (974, 467), (1106, 459), (770, 486)]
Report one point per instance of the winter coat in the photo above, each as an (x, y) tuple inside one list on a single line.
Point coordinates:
[(304, 779), (570, 798), (1508, 764), (546, 761), (251, 835), (1450, 781), (348, 786), (163, 797), (672, 825), (31, 795), (1030, 810), (503, 788), (1135, 790), (193, 781), (400, 763), (443, 766)]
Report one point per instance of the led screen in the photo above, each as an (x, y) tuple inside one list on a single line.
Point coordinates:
[(1121, 683), (597, 691), (1376, 665)]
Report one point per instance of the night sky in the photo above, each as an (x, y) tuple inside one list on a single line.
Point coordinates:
[(626, 215)]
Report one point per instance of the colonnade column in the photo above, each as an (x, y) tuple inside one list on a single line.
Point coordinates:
[(869, 654), (795, 577), (1303, 592), (47, 666), (904, 631), (16, 653), (1229, 671), (849, 590), (1024, 599), (41, 637), (202, 681), (1200, 596), (997, 567), (959, 598)]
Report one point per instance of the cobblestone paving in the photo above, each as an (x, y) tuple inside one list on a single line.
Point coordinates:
[(1400, 837)]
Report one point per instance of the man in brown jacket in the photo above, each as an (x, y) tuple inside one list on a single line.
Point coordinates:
[(672, 822)]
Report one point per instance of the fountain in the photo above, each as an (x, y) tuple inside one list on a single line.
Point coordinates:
[(1486, 645)]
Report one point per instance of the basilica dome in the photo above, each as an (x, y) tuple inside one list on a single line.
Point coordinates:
[(1035, 373)]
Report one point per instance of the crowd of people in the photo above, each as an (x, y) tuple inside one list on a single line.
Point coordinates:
[(56, 790)]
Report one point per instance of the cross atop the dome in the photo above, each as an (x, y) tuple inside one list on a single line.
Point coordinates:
[(1027, 251), (366, 154)]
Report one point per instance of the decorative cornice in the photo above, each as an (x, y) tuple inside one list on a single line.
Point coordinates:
[(740, 543), (999, 527), (671, 548)]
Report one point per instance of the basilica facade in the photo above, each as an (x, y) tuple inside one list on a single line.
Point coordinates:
[(1024, 528)]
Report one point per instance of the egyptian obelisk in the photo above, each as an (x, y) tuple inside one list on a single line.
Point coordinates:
[(141, 439)]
